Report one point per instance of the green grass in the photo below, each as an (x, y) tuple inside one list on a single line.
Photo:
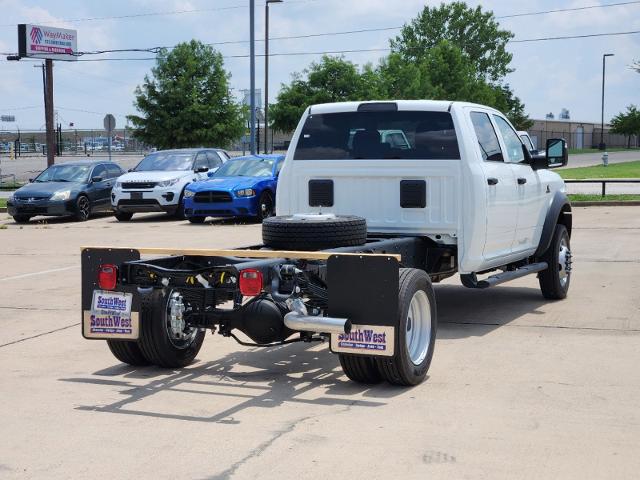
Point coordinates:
[(614, 170), (3, 202), (584, 197), (579, 151)]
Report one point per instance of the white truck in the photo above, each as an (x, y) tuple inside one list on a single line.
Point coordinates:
[(363, 229)]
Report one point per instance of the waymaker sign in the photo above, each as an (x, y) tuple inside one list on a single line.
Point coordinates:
[(38, 41)]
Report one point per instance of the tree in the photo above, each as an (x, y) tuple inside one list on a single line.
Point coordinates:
[(333, 79), (476, 33), (454, 52), (627, 123), (187, 101)]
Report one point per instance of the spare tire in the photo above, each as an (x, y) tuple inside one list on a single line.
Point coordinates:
[(314, 231)]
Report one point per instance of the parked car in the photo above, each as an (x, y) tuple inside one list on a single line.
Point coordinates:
[(74, 188), (242, 187), (157, 183)]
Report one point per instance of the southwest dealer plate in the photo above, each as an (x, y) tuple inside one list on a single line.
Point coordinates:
[(365, 340), (111, 317)]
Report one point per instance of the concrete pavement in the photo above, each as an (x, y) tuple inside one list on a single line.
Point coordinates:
[(519, 387)]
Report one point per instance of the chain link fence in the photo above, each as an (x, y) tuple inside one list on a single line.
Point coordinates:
[(583, 140)]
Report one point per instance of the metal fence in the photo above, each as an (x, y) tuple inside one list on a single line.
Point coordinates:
[(69, 142), (581, 139)]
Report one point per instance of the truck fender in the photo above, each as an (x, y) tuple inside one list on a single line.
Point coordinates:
[(559, 212)]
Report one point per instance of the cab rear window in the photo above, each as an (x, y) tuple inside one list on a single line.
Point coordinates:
[(378, 135)]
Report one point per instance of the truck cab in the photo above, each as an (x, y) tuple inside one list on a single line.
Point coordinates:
[(465, 180)]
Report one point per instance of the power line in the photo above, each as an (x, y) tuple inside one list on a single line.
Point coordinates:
[(153, 14), (562, 10), (571, 37)]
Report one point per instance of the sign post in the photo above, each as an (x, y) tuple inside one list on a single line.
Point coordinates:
[(109, 126)]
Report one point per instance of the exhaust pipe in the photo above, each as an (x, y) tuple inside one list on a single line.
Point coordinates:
[(310, 323)]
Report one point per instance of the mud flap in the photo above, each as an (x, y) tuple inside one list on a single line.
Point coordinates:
[(364, 290), (108, 314)]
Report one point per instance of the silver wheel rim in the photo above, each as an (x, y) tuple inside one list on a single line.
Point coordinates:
[(184, 338), (83, 207), (564, 262), (418, 329), (265, 207)]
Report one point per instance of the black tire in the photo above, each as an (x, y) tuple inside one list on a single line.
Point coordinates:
[(551, 281), (124, 216), (83, 208), (360, 369), (128, 352), (400, 369), (198, 220), (292, 233), (266, 206), (179, 213), (155, 343), (21, 218)]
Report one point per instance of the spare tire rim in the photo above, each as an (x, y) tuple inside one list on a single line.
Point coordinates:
[(564, 262), (313, 216), (180, 335), (418, 327)]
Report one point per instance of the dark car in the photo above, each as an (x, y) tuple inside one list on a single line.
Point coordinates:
[(73, 188), (242, 187)]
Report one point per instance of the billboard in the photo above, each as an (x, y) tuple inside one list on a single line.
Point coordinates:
[(38, 41)]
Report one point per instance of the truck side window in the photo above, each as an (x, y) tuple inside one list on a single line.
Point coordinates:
[(511, 140), (487, 137)]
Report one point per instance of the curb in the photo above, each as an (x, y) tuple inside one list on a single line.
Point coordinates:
[(3, 210), (612, 203)]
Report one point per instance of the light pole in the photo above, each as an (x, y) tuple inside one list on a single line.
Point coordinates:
[(266, 72), (252, 74), (602, 146)]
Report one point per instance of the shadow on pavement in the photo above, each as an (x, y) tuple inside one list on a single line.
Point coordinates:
[(465, 312), (276, 376)]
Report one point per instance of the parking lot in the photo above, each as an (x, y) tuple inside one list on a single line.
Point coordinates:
[(518, 388)]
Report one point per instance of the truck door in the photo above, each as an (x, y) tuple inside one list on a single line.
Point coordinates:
[(530, 194), (501, 189)]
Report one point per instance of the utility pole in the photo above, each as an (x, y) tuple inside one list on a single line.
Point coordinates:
[(266, 73), (602, 145), (252, 74), (47, 72)]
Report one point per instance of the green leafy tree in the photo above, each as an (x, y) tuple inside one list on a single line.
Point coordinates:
[(475, 32), (333, 79), (187, 102), (627, 123)]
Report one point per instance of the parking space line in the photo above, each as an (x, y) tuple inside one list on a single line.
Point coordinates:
[(25, 275)]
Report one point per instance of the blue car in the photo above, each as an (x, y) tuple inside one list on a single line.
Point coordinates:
[(242, 187)]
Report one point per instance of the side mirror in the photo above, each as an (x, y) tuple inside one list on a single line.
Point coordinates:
[(557, 152), (31, 180), (96, 179), (202, 169)]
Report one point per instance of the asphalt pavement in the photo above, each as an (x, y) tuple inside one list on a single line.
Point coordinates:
[(519, 388)]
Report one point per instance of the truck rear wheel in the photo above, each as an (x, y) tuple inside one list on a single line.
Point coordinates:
[(555, 280), (360, 369), (417, 324), (159, 342), (314, 231), (128, 352)]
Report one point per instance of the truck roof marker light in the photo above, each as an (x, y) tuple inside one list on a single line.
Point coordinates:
[(250, 282), (107, 276)]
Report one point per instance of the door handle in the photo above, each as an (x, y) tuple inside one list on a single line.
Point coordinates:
[(522, 181), (492, 181)]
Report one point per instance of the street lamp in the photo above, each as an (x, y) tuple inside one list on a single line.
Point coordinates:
[(602, 146), (266, 72)]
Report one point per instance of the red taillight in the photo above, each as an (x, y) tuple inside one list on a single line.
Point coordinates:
[(250, 282), (107, 276)]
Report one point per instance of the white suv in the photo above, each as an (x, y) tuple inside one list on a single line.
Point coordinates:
[(157, 183)]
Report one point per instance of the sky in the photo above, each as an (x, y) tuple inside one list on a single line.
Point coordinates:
[(548, 76)]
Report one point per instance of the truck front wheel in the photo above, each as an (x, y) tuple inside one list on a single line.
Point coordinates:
[(164, 338), (417, 324)]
